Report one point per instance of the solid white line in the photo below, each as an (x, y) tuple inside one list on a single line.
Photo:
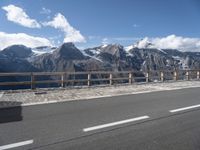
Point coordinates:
[(184, 108), (14, 145), (114, 123)]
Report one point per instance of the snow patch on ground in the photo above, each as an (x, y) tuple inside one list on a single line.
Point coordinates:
[(182, 62), (168, 63), (176, 57), (105, 45), (37, 53), (95, 52), (144, 63), (42, 50), (161, 51), (127, 50), (94, 56)]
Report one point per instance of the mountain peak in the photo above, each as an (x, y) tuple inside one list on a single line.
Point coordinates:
[(17, 51), (69, 51), (16, 46), (144, 43), (68, 44)]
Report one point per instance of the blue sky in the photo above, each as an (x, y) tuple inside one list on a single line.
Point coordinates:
[(105, 21)]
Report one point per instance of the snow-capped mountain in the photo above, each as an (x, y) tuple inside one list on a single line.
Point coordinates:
[(111, 57), (140, 56)]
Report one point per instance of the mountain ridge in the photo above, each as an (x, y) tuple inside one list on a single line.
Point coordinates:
[(113, 57)]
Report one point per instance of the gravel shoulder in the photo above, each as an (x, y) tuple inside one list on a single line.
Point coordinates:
[(43, 96)]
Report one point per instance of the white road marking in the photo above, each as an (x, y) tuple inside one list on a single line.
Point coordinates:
[(184, 108), (114, 123), (14, 145)]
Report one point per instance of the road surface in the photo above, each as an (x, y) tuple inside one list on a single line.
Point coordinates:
[(151, 121)]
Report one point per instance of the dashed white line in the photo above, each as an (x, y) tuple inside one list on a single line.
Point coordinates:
[(114, 123), (14, 145), (184, 108)]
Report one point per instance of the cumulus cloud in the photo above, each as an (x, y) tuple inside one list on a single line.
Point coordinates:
[(144, 43), (105, 41), (71, 34), (171, 42), (22, 39), (19, 16)]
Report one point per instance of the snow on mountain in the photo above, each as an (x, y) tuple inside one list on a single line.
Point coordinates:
[(142, 44), (37, 51), (128, 48), (161, 50), (95, 51), (92, 53), (103, 57), (183, 62), (42, 50), (105, 45)]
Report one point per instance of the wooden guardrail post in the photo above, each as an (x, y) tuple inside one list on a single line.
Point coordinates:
[(89, 78), (147, 76), (62, 80), (32, 81), (198, 75), (175, 76), (111, 79), (187, 75), (162, 76), (130, 78)]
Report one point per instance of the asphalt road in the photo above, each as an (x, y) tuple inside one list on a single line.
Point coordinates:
[(150, 121)]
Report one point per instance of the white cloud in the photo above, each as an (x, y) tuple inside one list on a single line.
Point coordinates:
[(144, 43), (45, 11), (19, 16), (136, 25), (71, 34), (105, 41), (172, 42), (22, 39)]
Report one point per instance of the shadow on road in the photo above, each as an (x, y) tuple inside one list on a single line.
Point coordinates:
[(10, 114)]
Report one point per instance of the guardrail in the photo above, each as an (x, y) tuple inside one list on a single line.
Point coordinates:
[(62, 79)]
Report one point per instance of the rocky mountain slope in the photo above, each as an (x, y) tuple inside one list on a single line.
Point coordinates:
[(68, 57)]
